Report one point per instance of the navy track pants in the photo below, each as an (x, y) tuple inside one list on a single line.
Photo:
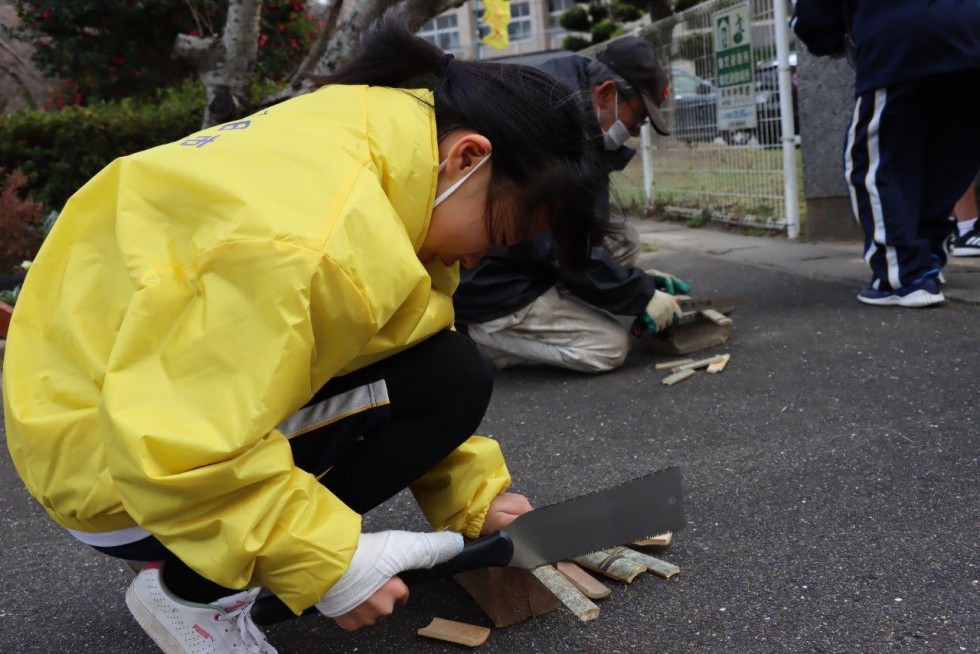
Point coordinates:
[(912, 149)]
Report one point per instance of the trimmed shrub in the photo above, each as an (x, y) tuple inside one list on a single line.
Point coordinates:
[(60, 151), (604, 30), (20, 223)]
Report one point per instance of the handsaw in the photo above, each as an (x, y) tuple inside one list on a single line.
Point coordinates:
[(652, 504)]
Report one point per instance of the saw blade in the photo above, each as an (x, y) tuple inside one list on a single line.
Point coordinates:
[(651, 504)]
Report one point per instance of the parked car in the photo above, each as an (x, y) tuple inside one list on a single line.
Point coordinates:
[(695, 107)]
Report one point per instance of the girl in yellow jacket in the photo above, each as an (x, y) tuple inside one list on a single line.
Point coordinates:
[(232, 346)]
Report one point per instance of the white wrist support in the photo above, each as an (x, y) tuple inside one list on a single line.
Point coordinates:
[(379, 557)]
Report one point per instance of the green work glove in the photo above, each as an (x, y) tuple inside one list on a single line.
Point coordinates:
[(662, 311), (669, 284)]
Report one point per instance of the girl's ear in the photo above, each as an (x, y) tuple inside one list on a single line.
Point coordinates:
[(465, 153)]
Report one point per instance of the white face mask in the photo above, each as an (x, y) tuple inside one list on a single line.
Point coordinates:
[(617, 134), (459, 182)]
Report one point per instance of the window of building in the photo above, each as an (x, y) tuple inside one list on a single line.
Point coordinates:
[(555, 9), (443, 31), (519, 28)]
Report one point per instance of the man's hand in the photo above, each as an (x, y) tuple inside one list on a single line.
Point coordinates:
[(662, 311), (503, 510), (668, 283), (382, 603)]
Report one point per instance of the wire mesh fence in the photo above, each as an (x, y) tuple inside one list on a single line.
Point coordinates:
[(710, 167)]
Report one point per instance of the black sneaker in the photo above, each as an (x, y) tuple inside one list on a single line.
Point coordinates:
[(967, 245)]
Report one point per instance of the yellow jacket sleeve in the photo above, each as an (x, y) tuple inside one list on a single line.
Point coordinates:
[(456, 494), (205, 364)]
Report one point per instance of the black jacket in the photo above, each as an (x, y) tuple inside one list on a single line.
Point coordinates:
[(894, 40), (510, 278)]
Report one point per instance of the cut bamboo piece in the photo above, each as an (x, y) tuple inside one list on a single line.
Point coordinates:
[(567, 592), (661, 540), (677, 377), (668, 365), (716, 317), (589, 585), (720, 364), (455, 632), (612, 565), (654, 565), (702, 363)]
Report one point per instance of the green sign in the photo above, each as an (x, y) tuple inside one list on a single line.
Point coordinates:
[(734, 70)]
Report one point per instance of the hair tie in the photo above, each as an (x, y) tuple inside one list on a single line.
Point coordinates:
[(444, 62)]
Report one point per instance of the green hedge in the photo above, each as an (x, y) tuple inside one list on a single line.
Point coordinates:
[(60, 151)]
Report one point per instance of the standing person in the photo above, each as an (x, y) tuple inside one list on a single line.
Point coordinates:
[(966, 242), (232, 346), (910, 151), (518, 304)]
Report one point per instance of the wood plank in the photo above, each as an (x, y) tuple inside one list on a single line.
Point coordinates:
[(455, 632), (720, 364), (661, 540), (508, 595), (677, 377), (589, 585), (653, 564), (685, 339), (703, 363), (576, 602), (612, 565)]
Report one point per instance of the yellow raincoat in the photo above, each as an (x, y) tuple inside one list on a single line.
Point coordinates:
[(191, 297)]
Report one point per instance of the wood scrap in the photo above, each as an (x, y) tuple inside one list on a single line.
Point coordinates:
[(686, 338), (507, 595), (720, 364), (612, 565), (661, 540), (455, 632), (586, 583), (653, 564), (702, 363), (716, 317), (583, 608), (677, 377)]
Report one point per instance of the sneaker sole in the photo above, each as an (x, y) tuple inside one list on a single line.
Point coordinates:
[(966, 252), (156, 631), (915, 300)]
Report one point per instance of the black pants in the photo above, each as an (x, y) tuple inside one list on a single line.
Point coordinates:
[(369, 434)]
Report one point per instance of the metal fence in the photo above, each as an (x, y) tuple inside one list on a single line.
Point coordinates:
[(713, 167)]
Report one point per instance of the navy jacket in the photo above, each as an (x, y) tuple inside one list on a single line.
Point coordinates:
[(510, 278), (893, 40)]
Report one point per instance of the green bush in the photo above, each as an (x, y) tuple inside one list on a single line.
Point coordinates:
[(575, 19), (598, 12), (625, 13), (575, 43), (604, 30), (59, 151)]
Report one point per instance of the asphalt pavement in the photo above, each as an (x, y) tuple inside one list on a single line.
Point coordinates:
[(831, 473)]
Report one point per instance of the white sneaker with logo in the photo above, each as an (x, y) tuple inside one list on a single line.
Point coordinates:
[(179, 627)]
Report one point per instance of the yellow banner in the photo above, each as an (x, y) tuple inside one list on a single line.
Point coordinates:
[(496, 14)]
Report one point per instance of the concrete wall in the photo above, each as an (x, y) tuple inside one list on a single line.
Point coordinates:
[(826, 101)]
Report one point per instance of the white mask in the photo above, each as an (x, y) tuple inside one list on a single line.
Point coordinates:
[(459, 182), (617, 134)]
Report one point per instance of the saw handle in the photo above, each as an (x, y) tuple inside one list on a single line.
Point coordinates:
[(493, 550)]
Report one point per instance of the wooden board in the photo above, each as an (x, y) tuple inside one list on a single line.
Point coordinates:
[(455, 632), (508, 595), (654, 565), (661, 541), (612, 565), (684, 339)]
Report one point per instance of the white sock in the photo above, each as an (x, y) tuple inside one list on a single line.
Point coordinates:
[(966, 225)]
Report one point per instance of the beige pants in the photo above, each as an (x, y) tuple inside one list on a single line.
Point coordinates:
[(558, 329)]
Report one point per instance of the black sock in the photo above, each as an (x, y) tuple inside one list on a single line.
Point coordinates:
[(190, 586)]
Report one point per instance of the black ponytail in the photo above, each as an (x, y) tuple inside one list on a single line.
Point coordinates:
[(544, 144)]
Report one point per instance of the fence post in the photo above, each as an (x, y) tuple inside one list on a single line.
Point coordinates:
[(790, 191), (646, 151)]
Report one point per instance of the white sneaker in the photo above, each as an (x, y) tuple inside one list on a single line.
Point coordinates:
[(178, 627)]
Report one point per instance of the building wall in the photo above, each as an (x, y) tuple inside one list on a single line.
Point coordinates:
[(533, 28)]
